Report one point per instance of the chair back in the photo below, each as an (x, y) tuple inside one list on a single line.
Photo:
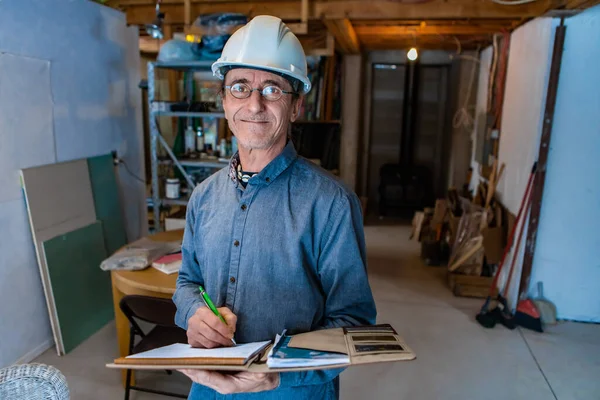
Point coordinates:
[(153, 310)]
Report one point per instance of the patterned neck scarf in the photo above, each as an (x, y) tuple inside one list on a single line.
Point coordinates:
[(242, 176), (236, 173)]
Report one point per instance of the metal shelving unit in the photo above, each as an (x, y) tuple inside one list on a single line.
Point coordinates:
[(198, 163), (163, 108)]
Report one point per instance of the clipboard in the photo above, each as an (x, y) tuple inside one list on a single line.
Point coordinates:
[(366, 344)]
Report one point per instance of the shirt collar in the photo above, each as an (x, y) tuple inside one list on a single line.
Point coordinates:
[(271, 171)]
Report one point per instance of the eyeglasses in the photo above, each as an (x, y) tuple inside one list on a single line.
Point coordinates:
[(243, 91)]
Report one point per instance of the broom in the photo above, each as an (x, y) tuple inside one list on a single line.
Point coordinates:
[(527, 314), (502, 312), (487, 318)]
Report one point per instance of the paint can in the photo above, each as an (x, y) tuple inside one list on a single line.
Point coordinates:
[(172, 188)]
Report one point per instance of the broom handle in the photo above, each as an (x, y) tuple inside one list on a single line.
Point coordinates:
[(516, 252), (513, 230)]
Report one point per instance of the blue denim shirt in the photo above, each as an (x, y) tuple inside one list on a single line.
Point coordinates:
[(286, 252)]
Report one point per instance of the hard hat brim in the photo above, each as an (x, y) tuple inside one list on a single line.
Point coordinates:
[(219, 65)]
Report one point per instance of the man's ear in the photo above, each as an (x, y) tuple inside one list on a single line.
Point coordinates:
[(296, 106)]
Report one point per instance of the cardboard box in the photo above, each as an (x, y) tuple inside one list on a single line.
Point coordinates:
[(493, 244)]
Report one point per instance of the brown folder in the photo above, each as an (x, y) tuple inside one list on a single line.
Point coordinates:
[(363, 345)]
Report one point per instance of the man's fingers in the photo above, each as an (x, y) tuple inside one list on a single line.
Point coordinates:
[(214, 380), (216, 336), (197, 339), (207, 343), (229, 317), (254, 376), (216, 324)]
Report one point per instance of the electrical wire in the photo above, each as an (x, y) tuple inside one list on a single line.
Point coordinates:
[(463, 117), (458, 45), (513, 2), (121, 161)]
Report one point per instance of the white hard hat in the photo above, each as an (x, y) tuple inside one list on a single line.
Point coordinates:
[(265, 43)]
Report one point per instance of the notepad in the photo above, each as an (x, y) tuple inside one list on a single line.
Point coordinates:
[(319, 349), (179, 353), (284, 356)]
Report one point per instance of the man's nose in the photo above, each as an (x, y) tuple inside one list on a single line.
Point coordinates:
[(256, 102)]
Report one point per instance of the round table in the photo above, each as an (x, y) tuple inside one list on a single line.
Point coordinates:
[(147, 282)]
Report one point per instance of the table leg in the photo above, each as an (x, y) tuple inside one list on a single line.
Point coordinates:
[(122, 325)]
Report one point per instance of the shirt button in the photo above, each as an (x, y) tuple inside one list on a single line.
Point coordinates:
[(268, 179), (236, 243), (232, 279), (244, 207)]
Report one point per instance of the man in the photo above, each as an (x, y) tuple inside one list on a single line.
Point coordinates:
[(276, 241)]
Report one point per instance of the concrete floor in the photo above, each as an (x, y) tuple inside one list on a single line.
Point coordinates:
[(456, 358)]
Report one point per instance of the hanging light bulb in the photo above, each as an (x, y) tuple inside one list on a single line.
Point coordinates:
[(412, 54)]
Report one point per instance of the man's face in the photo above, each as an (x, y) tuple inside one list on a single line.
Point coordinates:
[(258, 123)]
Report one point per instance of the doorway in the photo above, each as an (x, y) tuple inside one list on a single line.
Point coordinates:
[(408, 136)]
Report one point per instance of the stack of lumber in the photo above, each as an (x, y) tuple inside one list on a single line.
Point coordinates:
[(473, 230)]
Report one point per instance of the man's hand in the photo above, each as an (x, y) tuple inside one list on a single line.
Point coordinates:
[(241, 382), (206, 330)]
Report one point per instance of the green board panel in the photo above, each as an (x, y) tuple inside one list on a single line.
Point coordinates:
[(82, 291), (106, 201)]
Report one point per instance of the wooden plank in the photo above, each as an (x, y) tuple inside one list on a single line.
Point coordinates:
[(479, 22), (187, 13), (81, 290), (149, 45), (470, 286), (351, 9), (344, 34), (404, 30), (328, 50), (581, 4), (304, 11), (467, 254)]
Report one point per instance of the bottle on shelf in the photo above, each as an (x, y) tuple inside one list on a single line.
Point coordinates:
[(190, 140), (199, 139)]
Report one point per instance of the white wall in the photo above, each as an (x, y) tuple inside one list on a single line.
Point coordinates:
[(68, 90), (567, 254), (568, 245)]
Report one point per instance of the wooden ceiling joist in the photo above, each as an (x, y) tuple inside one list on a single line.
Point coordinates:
[(433, 43), (375, 30), (140, 13), (344, 34)]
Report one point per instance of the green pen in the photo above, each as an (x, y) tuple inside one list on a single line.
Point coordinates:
[(212, 307)]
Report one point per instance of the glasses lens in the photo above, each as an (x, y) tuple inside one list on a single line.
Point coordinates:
[(271, 93), (240, 91)]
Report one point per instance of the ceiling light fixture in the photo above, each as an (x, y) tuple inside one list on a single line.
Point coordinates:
[(412, 54), (154, 29)]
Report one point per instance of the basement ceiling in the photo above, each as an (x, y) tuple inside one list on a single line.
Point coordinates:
[(364, 25)]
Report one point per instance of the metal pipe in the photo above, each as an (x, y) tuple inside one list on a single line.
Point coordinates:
[(164, 143), (153, 149)]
